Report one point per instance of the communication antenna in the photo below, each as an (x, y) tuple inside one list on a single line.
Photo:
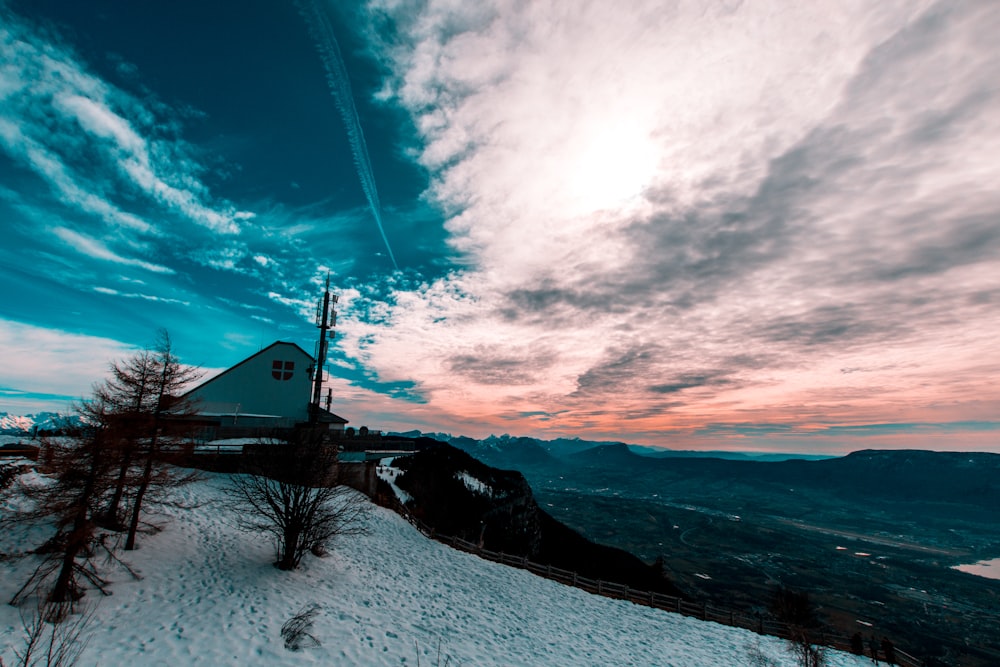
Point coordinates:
[(326, 320)]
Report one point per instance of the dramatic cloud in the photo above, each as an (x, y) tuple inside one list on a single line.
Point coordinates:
[(704, 223), (704, 212), (103, 151)]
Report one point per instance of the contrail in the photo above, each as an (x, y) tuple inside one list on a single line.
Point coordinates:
[(336, 77)]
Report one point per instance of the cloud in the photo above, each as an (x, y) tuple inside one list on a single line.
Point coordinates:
[(496, 365), (65, 184), (138, 295), (97, 250), (41, 360), (658, 218), (104, 152), (701, 214), (132, 158)]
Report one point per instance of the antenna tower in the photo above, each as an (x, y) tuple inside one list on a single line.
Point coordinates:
[(326, 320)]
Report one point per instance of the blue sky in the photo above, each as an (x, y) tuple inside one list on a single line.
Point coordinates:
[(715, 224)]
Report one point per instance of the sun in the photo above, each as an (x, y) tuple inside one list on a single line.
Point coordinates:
[(610, 166)]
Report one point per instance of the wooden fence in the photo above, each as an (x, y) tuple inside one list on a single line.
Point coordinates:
[(701, 610)]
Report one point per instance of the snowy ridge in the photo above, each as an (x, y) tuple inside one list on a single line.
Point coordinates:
[(210, 596), (19, 424), (15, 423)]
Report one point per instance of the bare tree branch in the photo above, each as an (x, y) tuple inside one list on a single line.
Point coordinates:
[(290, 492)]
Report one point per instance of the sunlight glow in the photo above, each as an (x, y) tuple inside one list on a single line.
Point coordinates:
[(610, 167)]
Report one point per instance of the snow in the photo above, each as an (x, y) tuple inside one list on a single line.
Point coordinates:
[(16, 423), (473, 484), (210, 596), (23, 424), (389, 474)]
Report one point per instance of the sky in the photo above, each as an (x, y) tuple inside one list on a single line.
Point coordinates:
[(763, 226)]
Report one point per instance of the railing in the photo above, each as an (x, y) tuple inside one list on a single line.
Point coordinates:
[(701, 610)]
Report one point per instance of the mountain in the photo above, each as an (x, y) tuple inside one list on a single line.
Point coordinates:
[(14, 424), (657, 452), (971, 478), (618, 454), (503, 451), (860, 532), (513, 451), (43, 421)]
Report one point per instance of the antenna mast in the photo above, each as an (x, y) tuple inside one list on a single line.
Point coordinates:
[(326, 320)]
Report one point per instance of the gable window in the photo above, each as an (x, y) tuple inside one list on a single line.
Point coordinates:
[(282, 370)]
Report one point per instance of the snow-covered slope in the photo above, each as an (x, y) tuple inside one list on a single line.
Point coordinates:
[(209, 596), (15, 424)]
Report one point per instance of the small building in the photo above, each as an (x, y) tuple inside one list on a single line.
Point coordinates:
[(266, 392)]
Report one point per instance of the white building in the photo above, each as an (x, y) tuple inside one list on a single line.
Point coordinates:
[(268, 390)]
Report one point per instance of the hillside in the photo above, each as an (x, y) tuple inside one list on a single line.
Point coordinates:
[(460, 496), (210, 596)]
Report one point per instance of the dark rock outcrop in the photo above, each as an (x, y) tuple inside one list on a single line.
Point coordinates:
[(461, 496)]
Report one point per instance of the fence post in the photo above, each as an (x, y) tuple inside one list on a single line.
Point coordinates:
[(626, 592), (678, 605), (600, 587), (704, 611)]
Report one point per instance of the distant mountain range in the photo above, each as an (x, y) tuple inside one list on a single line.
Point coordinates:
[(43, 421), (892, 475), (509, 450)]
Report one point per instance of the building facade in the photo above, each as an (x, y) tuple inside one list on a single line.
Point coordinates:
[(267, 391)]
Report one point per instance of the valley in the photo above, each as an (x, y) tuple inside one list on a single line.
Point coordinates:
[(873, 541)]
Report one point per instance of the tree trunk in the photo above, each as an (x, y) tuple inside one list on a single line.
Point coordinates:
[(64, 589), (110, 517), (65, 586), (289, 560), (133, 526), (147, 471)]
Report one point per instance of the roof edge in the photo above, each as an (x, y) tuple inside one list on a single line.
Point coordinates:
[(237, 365)]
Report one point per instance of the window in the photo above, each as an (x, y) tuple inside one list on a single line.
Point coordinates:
[(282, 370)]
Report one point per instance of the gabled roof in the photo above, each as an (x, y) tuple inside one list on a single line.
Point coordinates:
[(252, 356)]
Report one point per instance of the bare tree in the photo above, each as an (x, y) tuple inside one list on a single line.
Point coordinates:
[(169, 378), (291, 493), (117, 449), (80, 476), (129, 393), (51, 644)]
